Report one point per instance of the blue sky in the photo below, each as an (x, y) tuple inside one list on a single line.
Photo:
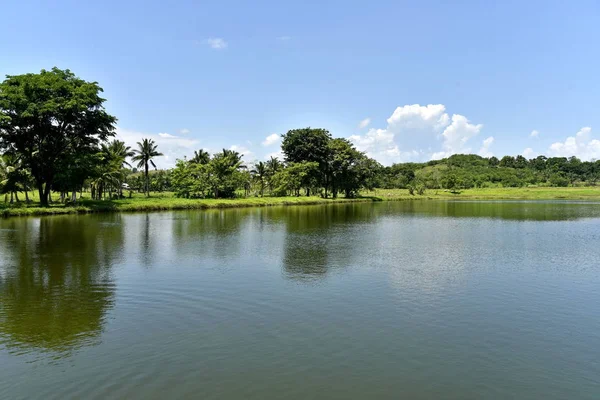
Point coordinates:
[(404, 80)]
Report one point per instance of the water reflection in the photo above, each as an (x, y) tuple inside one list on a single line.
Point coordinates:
[(56, 274), (313, 244), (508, 210), (55, 281)]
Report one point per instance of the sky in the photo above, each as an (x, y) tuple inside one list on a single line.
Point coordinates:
[(403, 80)]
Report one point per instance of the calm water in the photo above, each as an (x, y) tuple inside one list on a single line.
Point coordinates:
[(419, 300)]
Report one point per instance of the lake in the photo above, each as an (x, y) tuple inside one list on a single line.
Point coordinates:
[(416, 300)]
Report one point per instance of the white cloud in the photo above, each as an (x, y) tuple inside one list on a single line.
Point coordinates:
[(534, 133), (379, 144), (417, 116), (173, 147), (416, 133), (284, 38), (271, 140), (456, 135), (184, 131), (529, 153), (581, 145), (217, 43), (244, 151), (484, 151), (364, 123), (412, 131)]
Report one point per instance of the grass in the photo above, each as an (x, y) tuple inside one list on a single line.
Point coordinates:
[(158, 202), (167, 201), (525, 193)]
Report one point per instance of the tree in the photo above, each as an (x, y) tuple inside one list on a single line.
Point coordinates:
[(538, 163), (452, 182), (45, 118), (224, 173), (259, 173), (9, 177), (116, 152), (294, 177), (273, 166), (144, 155), (308, 145), (114, 159), (348, 168), (521, 162), (507, 162), (200, 157)]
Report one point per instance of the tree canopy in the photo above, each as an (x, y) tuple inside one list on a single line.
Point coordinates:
[(50, 120)]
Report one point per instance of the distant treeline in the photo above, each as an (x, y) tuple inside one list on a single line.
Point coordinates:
[(56, 136), (470, 170)]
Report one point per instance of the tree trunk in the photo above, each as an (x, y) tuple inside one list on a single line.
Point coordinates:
[(43, 195), (16, 196), (147, 181), (74, 196), (26, 195), (48, 193), (12, 200)]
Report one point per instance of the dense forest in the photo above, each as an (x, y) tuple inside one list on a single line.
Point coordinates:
[(56, 137)]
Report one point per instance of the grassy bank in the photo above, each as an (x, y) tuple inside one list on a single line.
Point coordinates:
[(160, 202), (166, 201)]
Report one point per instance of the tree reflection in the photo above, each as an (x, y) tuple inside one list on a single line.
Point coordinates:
[(55, 283), (508, 210), (314, 242)]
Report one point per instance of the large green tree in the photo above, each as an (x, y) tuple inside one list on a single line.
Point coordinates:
[(48, 117), (308, 145)]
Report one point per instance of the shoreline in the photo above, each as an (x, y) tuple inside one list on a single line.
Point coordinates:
[(186, 204), (166, 202)]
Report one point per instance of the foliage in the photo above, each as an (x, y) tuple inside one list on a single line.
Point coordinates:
[(144, 155), (221, 177), (49, 120), (463, 171)]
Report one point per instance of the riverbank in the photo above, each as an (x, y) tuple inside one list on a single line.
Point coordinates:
[(167, 202)]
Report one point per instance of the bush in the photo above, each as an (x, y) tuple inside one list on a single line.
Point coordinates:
[(559, 181)]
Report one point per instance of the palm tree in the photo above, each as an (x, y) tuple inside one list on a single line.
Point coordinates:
[(105, 180), (259, 173), (5, 170), (115, 155), (116, 152), (13, 177), (235, 158), (273, 166), (200, 157), (144, 154)]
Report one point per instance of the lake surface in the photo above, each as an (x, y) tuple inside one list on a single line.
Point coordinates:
[(416, 300)]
